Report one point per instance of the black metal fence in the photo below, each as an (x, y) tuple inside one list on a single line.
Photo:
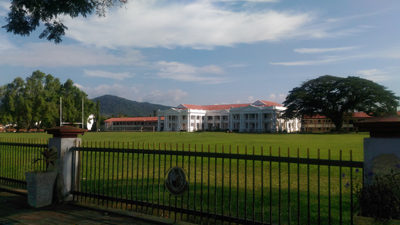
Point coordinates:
[(226, 185), (16, 157)]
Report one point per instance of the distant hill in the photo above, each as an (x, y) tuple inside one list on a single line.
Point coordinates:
[(114, 105)]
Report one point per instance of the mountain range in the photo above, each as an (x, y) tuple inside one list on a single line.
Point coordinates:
[(112, 106)]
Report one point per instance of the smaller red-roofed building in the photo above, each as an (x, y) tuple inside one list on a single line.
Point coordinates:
[(131, 124), (321, 124), (259, 116)]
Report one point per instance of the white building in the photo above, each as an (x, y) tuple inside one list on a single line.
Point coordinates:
[(259, 116)]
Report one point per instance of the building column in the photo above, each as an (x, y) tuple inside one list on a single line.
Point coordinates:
[(158, 123)]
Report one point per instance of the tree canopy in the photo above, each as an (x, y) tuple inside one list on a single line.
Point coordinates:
[(35, 103), (336, 97), (25, 15)]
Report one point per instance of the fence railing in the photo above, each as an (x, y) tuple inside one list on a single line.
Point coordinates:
[(16, 157), (230, 185)]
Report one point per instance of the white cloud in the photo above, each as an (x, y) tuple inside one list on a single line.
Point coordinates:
[(195, 24), (322, 50), (51, 55), (106, 74), (136, 93), (277, 98), (308, 63), (170, 97), (187, 73), (374, 74)]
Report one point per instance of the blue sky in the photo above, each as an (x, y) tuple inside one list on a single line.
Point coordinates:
[(213, 51)]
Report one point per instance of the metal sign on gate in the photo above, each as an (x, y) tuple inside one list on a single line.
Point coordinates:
[(176, 182)]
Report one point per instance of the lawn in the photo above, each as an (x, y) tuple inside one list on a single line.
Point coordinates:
[(113, 174), (335, 142)]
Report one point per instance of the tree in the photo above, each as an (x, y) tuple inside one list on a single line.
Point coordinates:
[(36, 102), (72, 103), (14, 106), (336, 97), (25, 15)]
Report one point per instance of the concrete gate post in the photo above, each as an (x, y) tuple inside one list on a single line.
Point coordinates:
[(382, 149), (64, 138)]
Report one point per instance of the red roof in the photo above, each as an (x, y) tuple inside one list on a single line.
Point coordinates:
[(134, 119), (268, 103), (226, 106)]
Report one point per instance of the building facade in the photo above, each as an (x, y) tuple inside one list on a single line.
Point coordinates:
[(259, 116), (131, 124), (322, 124)]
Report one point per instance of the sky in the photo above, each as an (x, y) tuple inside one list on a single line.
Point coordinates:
[(209, 52)]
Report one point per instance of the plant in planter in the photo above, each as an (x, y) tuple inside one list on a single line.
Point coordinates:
[(380, 200), (40, 183)]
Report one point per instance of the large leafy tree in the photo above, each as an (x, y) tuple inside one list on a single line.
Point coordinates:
[(35, 103), (25, 15), (336, 97), (14, 107), (72, 103)]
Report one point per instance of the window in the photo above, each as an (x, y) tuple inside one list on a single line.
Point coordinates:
[(183, 117)]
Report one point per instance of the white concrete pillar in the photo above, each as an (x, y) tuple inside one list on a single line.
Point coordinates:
[(65, 138), (382, 149)]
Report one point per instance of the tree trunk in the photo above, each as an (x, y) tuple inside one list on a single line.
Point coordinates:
[(338, 123)]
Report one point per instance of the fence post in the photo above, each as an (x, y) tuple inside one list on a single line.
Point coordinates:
[(64, 138), (382, 149)]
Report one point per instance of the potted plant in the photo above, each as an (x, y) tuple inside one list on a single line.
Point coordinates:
[(379, 202), (40, 183)]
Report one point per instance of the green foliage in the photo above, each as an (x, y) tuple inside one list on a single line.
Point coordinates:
[(334, 97), (381, 199), (25, 15), (113, 105), (35, 103)]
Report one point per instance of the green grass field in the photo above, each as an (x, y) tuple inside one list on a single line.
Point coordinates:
[(335, 142), (101, 176)]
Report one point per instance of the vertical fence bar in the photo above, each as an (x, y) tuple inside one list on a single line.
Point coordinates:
[(270, 186), (230, 184), (237, 185), (351, 188), (208, 186), (132, 170), (148, 177), (308, 185), (183, 166), (340, 187), (195, 183), (288, 187), (254, 188), (329, 189), (188, 197), (245, 185), (201, 187), (159, 178), (298, 187), (279, 189), (222, 181), (215, 183), (319, 190)]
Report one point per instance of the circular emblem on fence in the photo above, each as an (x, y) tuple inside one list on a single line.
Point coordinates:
[(176, 182)]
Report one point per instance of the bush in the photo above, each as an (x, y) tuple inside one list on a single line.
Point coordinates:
[(381, 199)]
